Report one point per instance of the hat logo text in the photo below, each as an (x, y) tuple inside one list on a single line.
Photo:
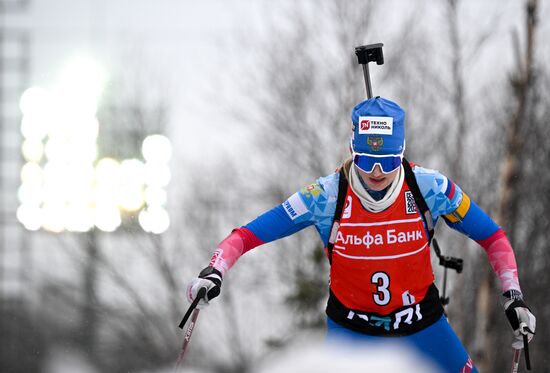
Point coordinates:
[(375, 126)]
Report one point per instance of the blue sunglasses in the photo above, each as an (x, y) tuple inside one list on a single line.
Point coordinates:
[(367, 162)]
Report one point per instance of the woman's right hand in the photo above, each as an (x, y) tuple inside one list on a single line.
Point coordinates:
[(211, 279)]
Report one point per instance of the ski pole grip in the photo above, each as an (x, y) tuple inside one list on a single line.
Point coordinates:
[(526, 351), (200, 294)]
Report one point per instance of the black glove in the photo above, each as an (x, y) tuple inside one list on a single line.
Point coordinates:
[(521, 319), (211, 279)]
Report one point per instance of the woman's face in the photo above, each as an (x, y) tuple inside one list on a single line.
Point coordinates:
[(377, 180)]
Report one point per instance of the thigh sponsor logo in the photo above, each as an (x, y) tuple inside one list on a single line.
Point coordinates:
[(390, 322)]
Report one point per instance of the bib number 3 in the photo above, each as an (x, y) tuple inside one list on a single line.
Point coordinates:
[(382, 282)]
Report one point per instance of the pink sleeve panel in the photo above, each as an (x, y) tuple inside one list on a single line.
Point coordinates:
[(238, 242), (502, 259)]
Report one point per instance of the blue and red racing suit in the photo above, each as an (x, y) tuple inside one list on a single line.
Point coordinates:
[(381, 279)]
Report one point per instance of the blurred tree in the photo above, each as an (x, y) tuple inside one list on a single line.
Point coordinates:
[(22, 338), (454, 140), (136, 284), (523, 191), (126, 115)]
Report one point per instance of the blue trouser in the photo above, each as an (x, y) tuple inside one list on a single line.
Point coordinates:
[(438, 344)]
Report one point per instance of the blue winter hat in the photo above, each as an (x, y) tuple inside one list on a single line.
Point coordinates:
[(378, 127)]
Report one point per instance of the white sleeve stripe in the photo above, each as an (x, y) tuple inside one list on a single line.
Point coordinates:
[(444, 185)]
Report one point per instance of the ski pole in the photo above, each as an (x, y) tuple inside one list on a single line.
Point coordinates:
[(515, 360), (200, 294), (517, 352), (369, 53), (524, 329), (187, 338), (526, 351)]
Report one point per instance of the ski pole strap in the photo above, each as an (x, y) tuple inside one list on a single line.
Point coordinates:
[(200, 294), (526, 350), (419, 199)]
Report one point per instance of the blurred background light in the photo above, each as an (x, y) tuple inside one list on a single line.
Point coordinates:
[(131, 198), (31, 173), (34, 100), (32, 150), (107, 218), (156, 174), (59, 182), (53, 216), (30, 216), (154, 219), (131, 171), (80, 85), (30, 194), (80, 217), (131, 184), (157, 149), (107, 170), (34, 126), (155, 196)]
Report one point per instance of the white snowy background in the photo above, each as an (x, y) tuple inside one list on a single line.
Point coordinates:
[(212, 66)]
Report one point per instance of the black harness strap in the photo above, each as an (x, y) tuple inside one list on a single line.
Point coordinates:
[(419, 199), (342, 191), (445, 261), (413, 186)]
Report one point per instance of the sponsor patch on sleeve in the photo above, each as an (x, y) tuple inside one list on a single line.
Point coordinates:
[(294, 206), (461, 210), (312, 190)]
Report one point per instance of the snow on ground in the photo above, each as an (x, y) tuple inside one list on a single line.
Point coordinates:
[(321, 357)]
